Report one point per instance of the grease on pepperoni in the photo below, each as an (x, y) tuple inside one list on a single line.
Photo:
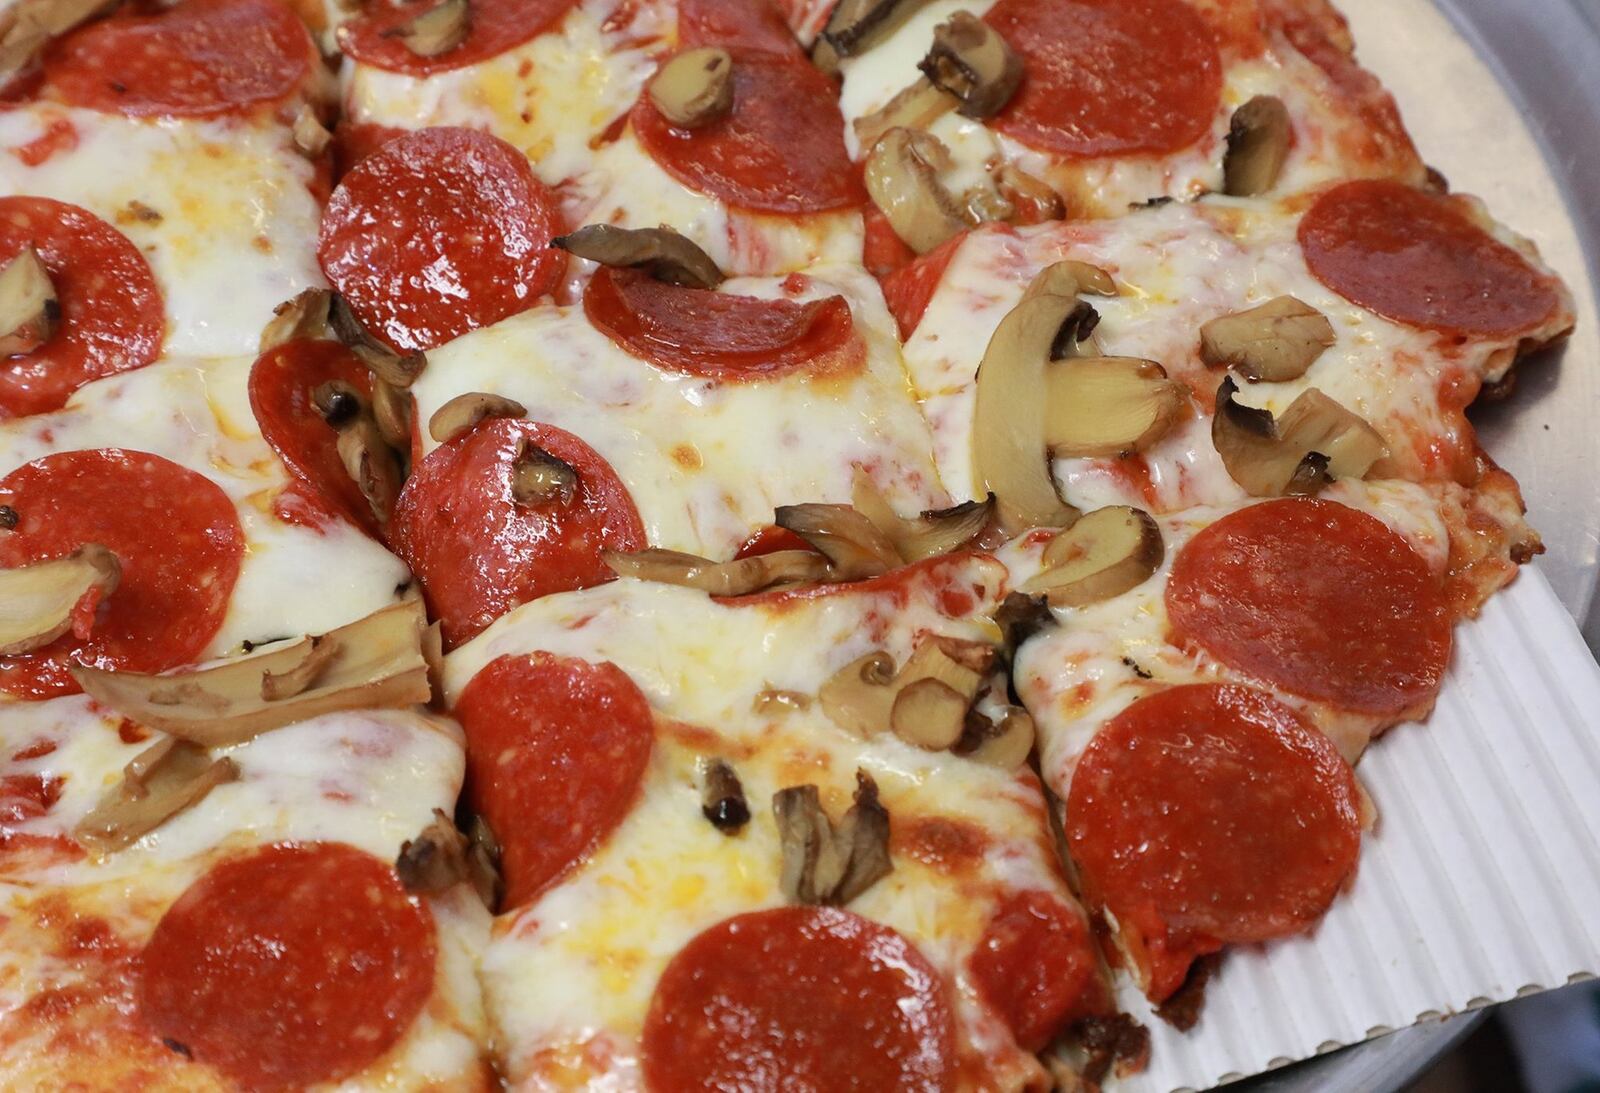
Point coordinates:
[(493, 27), (439, 232), (1418, 259), (556, 750), (718, 335), (479, 553), (111, 319), (290, 965), (803, 999), (196, 59), (1206, 815), (179, 560), (779, 150), (281, 384), (1036, 966), (1109, 77), (1318, 599)]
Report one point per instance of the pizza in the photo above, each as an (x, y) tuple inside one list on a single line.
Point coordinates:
[(707, 544)]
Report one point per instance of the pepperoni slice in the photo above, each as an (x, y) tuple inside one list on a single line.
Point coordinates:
[(1416, 258), (556, 750), (717, 335), (909, 289), (1036, 966), (780, 149), (437, 233), (479, 552), (747, 24), (175, 533), (1206, 815), (197, 59), (1109, 77), (802, 999), (111, 319), (1318, 599), (292, 965), (493, 27), (281, 384)]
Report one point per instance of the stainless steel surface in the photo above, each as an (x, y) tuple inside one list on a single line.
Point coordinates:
[(1545, 56)]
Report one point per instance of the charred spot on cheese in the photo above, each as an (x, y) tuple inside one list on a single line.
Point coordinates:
[(722, 797), (694, 88), (304, 316), (902, 178), (29, 310), (464, 411), (1108, 552), (969, 60), (661, 252), (1021, 616), (1108, 406), (157, 784), (310, 135), (40, 601), (852, 544), (1258, 145), (822, 865), (933, 532), (857, 25), (1273, 342), (373, 663), (915, 107), (385, 363), (435, 860), (1313, 441), (435, 31), (859, 696), (1005, 743), (27, 27), (738, 577)]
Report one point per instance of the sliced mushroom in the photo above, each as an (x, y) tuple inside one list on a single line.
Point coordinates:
[(661, 252), (928, 713), (1313, 441), (1108, 406), (483, 862), (41, 601), (539, 478), (392, 410), (374, 466), (915, 107), (373, 663), (1273, 342), (1019, 617), (857, 25), (722, 797), (934, 532), (389, 366), (739, 577), (902, 178), (860, 696), (694, 88), (27, 27), (852, 544), (1005, 744), (436, 860), (302, 676), (435, 31), (1009, 439), (1070, 277), (1107, 552), (157, 784), (310, 135), (1032, 200), (464, 411), (824, 866), (971, 61), (1258, 145), (305, 316), (29, 310)]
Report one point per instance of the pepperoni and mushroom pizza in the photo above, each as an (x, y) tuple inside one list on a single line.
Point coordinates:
[(708, 544)]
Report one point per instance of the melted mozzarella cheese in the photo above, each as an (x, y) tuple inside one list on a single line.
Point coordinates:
[(293, 580), (707, 461), (570, 977), (235, 223), (1176, 267)]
